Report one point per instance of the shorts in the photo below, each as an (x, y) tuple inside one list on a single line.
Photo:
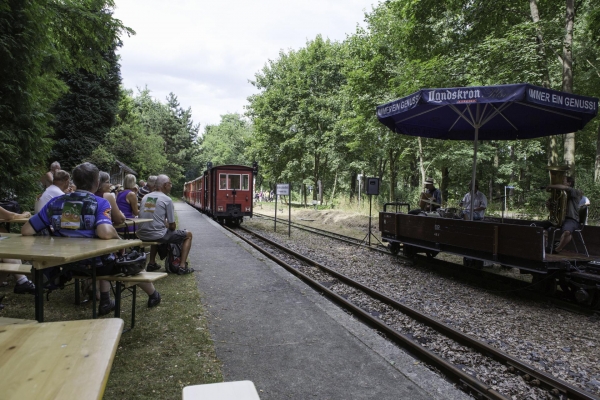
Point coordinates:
[(176, 236), (570, 225)]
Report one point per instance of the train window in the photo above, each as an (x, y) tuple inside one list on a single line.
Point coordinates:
[(223, 181), (234, 182), (245, 184)]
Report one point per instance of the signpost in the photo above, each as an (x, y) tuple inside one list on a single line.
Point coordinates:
[(283, 189)]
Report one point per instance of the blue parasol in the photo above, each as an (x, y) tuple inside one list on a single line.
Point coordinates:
[(501, 112)]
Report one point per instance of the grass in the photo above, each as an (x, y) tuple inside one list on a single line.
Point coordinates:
[(169, 348)]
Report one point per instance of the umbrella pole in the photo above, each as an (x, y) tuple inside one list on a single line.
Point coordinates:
[(474, 173)]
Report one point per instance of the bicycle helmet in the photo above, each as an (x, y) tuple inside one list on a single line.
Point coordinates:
[(132, 263)]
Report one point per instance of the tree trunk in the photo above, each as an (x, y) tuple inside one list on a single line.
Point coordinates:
[(393, 175), (352, 185), (334, 185), (444, 185), (552, 145), (567, 81)]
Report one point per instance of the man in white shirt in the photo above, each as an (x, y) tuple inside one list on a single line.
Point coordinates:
[(60, 184), (158, 206), (479, 204)]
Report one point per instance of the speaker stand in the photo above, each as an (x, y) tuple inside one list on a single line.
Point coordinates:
[(369, 233)]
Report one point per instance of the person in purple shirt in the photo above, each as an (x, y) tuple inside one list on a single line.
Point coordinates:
[(127, 200), (82, 214)]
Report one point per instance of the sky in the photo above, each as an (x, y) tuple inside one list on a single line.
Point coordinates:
[(206, 51)]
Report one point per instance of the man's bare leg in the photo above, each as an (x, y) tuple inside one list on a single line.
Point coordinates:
[(565, 238), (185, 248)]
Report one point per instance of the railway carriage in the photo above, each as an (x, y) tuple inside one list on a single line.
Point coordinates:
[(223, 192)]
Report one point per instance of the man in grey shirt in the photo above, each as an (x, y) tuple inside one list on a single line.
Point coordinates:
[(158, 206)]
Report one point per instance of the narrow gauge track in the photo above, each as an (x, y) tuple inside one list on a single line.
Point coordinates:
[(515, 285), (468, 382), (326, 233)]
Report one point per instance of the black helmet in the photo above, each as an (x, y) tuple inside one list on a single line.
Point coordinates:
[(132, 263)]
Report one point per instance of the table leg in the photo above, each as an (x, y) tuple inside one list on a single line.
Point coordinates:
[(38, 280), (118, 293), (94, 309)]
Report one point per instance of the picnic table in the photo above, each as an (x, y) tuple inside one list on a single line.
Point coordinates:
[(49, 251), (57, 360)]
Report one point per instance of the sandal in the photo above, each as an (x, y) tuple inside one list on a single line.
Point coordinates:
[(151, 267), (185, 270)]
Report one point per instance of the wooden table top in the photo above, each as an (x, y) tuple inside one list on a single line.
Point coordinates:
[(48, 251), (16, 220), (130, 222), (58, 360)]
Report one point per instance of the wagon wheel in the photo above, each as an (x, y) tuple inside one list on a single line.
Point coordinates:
[(431, 253), (544, 283), (409, 251), (394, 248), (567, 289)]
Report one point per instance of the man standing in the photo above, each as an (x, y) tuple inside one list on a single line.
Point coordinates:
[(82, 214), (158, 206)]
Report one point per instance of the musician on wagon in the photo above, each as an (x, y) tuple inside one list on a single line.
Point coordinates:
[(571, 222), (479, 204), (431, 198)]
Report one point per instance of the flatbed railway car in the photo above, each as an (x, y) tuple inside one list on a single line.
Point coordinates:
[(224, 193), (513, 243)]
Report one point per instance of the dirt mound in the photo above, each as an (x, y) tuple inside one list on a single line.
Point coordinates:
[(335, 218)]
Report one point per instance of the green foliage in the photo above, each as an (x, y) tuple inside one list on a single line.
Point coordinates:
[(38, 40), (85, 114), (225, 143), (151, 137)]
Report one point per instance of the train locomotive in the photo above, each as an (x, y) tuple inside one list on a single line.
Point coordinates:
[(223, 192)]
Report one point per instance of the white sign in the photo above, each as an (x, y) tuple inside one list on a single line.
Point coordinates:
[(283, 189)]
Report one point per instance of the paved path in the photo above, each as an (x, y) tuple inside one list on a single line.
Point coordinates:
[(272, 329)]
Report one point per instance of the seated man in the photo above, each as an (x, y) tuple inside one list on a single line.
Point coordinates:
[(92, 219), (479, 203), (432, 194), (23, 285), (48, 177), (147, 188), (571, 222), (60, 184), (158, 206)]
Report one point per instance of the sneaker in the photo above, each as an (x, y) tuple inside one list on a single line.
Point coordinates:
[(25, 287), (185, 270), (106, 307), (153, 301), (151, 267)]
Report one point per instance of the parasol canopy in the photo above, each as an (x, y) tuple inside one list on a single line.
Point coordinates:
[(500, 112)]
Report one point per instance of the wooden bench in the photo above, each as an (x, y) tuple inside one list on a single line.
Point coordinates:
[(123, 282), (14, 268), (240, 390), (16, 321)]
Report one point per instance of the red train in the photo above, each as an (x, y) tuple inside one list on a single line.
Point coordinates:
[(224, 193)]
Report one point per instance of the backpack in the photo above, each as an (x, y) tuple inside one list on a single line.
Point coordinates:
[(173, 260), (11, 205)]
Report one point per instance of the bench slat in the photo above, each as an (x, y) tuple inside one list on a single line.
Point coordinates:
[(13, 268)]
